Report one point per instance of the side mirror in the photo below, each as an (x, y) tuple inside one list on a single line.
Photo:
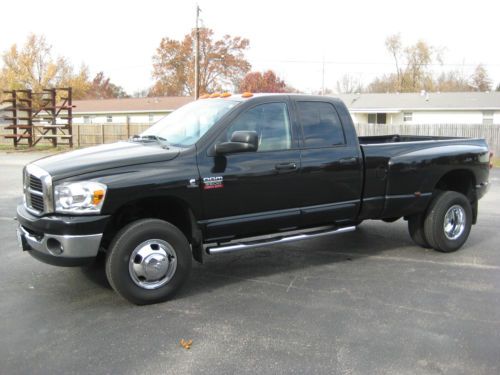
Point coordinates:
[(241, 141)]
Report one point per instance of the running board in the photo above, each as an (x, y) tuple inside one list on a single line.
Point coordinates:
[(237, 246)]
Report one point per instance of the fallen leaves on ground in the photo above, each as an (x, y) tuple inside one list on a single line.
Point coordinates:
[(186, 344)]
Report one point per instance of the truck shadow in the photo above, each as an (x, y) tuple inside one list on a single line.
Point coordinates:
[(302, 256), (218, 271), (223, 269)]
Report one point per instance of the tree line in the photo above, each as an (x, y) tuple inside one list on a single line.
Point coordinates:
[(413, 72), (223, 66)]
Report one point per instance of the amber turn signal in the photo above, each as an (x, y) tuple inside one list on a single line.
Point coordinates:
[(98, 197)]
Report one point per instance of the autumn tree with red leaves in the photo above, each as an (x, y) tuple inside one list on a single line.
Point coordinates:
[(263, 82), (222, 64), (102, 88)]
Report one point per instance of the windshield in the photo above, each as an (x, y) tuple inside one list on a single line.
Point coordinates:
[(185, 126)]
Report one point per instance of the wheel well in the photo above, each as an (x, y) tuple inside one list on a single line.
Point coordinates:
[(172, 210), (462, 181)]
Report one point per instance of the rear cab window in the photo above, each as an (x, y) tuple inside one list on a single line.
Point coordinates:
[(321, 125)]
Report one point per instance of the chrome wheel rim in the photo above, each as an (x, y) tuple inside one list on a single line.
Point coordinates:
[(152, 264), (454, 222)]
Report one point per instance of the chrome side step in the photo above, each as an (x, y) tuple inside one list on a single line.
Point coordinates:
[(237, 246)]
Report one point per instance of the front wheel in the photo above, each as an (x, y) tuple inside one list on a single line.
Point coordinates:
[(148, 261), (448, 221)]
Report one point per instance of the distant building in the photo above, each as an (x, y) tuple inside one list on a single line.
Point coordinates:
[(121, 111), (409, 108), (424, 108)]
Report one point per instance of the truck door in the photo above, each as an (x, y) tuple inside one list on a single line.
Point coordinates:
[(331, 165), (253, 192)]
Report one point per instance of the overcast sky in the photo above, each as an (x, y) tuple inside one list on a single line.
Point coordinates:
[(290, 37)]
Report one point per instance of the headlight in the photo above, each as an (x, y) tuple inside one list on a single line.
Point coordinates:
[(79, 197)]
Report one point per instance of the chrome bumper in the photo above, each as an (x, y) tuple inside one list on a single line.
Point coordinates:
[(60, 246)]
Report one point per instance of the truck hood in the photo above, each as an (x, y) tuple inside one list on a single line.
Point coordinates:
[(92, 159)]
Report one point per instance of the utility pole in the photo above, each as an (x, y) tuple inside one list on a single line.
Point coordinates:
[(197, 56), (323, 77)]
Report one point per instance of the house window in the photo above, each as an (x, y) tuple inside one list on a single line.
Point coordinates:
[(86, 119), (488, 117), (377, 118), (407, 116), (151, 118), (381, 118), (109, 118)]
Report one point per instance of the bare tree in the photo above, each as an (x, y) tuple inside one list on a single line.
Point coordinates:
[(395, 48), (412, 64), (452, 81), (480, 81), (349, 84)]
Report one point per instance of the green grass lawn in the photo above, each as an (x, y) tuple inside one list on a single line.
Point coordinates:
[(37, 148), (496, 162)]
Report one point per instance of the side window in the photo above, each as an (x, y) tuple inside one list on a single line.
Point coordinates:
[(271, 123), (321, 124)]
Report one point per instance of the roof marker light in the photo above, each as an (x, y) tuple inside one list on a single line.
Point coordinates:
[(205, 96), (215, 95), (225, 94), (246, 94)]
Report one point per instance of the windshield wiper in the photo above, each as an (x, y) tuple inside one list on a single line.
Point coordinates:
[(150, 138)]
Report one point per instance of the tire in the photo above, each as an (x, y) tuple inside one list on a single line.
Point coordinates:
[(453, 209), (161, 261), (416, 230)]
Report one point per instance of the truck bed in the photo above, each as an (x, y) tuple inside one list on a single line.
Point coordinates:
[(401, 170), (394, 138)]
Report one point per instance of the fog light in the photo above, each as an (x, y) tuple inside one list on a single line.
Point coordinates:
[(54, 246)]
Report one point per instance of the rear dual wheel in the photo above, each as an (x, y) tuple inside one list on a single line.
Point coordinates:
[(446, 225)]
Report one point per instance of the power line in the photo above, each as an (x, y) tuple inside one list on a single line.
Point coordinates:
[(330, 62)]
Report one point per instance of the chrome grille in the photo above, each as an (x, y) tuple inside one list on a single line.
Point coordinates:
[(36, 202), (37, 190), (35, 183)]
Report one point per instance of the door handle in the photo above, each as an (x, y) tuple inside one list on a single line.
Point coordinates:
[(347, 161), (285, 166)]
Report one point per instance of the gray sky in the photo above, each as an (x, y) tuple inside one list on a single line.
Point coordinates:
[(290, 37)]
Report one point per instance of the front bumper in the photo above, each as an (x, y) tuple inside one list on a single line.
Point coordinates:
[(60, 240)]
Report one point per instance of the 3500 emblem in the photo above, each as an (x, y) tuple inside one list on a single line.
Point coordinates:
[(213, 182)]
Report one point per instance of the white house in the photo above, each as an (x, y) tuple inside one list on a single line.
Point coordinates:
[(408, 108), (425, 108), (2, 113), (127, 110)]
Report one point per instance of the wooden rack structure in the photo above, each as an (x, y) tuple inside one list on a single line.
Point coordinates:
[(35, 116)]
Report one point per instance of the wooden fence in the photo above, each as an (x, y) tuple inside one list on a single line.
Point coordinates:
[(93, 134), (85, 135), (96, 134)]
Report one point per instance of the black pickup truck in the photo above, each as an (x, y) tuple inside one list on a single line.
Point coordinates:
[(234, 172)]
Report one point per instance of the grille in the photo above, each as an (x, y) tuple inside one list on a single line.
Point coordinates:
[(36, 202), (35, 189), (35, 183)]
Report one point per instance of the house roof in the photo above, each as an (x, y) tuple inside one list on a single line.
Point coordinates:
[(422, 101), (388, 102), (127, 105)]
